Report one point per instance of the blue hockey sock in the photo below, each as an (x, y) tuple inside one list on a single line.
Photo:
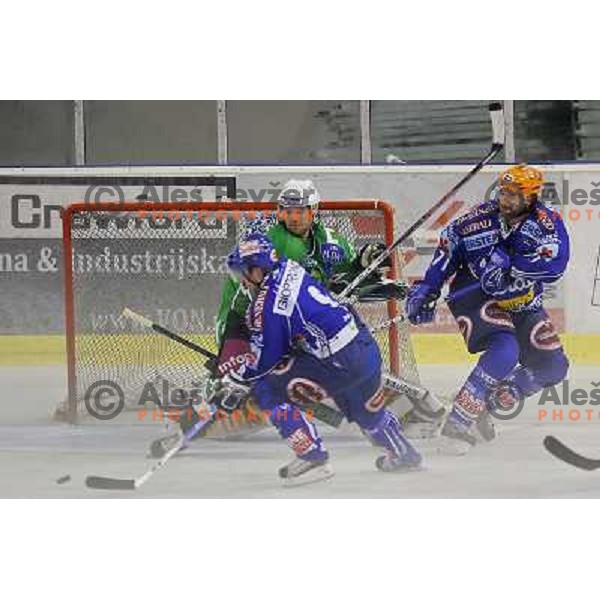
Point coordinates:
[(470, 401), (387, 433), (499, 359)]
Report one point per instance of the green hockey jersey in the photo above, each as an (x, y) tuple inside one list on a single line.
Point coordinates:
[(323, 253)]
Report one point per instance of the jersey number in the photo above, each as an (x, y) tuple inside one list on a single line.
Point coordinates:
[(321, 298)]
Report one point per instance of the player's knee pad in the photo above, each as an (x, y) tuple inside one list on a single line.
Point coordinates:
[(530, 379)]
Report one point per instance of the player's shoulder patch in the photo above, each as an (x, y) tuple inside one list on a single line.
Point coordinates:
[(448, 239), (546, 218), (531, 229), (288, 288)]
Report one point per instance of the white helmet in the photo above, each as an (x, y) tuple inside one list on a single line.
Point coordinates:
[(299, 193)]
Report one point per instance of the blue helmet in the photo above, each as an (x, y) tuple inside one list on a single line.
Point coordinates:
[(255, 250)]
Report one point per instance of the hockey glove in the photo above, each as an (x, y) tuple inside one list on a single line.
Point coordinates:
[(495, 277), (228, 394), (338, 282), (420, 304), (369, 254)]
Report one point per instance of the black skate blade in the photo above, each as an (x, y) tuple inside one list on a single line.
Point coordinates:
[(109, 483)]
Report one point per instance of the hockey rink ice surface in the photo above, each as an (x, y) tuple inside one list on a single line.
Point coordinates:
[(35, 452)]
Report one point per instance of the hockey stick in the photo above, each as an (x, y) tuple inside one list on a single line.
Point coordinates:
[(210, 364), (324, 413), (112, 483), (564, 453), (497, 117)]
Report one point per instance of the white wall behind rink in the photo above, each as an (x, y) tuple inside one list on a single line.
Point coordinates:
[(411, 189)]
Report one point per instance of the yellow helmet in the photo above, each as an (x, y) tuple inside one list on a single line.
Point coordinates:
[(528, 180)]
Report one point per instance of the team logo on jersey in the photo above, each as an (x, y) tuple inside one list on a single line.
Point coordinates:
[(288, 290), (545, 219), (332, 253), (543, 336)]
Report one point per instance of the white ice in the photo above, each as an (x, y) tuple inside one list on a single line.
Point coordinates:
[(36, 451)]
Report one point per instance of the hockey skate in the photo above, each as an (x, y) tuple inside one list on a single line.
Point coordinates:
[(484, 426), (302, 472), (455, 440), (392, 463)]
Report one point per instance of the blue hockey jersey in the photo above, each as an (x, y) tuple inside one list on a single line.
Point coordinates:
[(292, 309), (538, 248)]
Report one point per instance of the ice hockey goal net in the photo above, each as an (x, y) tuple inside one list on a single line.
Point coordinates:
[(168, 263)]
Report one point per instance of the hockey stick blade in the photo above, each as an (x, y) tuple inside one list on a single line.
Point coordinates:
[(564, 453), (109, 483)]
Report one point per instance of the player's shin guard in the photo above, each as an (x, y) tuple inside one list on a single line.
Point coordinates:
[(387, 433), (469, 406)]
